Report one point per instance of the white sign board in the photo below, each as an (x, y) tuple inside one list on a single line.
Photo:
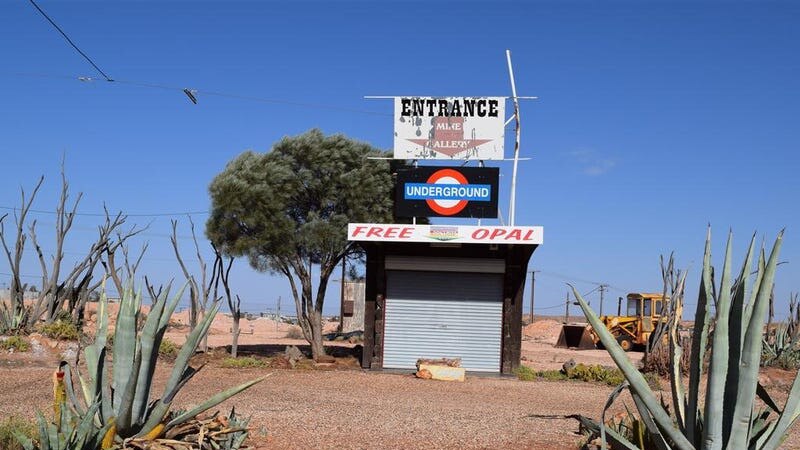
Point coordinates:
[(449, 127), (382, 232)]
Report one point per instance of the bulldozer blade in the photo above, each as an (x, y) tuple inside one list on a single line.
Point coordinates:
[(576, 337)]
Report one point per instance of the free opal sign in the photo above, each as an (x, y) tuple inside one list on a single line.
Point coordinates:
[(381, 232), (449, 128), (447, 192)]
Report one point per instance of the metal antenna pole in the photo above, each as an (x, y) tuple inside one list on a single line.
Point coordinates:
[(512, 208)]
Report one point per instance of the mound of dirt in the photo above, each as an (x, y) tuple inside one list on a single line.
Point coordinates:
[(542, 330)]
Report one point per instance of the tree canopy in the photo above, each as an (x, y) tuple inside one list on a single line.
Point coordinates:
[(289, 208)]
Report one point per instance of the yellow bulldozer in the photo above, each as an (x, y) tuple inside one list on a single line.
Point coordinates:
[(642, 315)]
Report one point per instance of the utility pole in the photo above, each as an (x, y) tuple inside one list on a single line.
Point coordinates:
[(277, 322), (533, 288), (602, 295), (566, 314), (619, 306)]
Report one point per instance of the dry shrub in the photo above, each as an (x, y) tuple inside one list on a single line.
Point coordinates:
[(61, 330), (658, 360), (18, 343), (168, 349), (294, 332), (242, 363)]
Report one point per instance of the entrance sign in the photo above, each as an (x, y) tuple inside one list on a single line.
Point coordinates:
[(382, 232), (447, 192), (449, 128)]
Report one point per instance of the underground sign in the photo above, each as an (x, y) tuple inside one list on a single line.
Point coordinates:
[(447, 192)]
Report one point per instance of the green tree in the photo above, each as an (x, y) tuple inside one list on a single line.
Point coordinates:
[(288, 210)]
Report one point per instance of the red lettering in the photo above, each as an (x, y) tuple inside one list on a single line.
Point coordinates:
[(515, 234), (480, 233), (406, 233), (528, 236), (358, 230), (390, 232), (497, 232), (375, 231)]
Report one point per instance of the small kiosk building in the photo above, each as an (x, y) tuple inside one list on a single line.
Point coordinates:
[(444, 291)]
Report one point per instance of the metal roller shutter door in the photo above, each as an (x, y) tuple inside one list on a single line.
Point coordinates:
[(443, 315)]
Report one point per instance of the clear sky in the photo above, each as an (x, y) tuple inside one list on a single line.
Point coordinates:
[(654, 118)]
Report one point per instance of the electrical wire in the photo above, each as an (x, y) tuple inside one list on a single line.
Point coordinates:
[(55, 25), (579, 280), (251, 98), (149, 85), (550, 307), (185, 213)]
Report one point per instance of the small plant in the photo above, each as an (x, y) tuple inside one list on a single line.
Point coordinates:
[(62, 330), (596, 373), (17, 343), (168, 349), (10, 428), (294, 332), (242, 363), (552, 375), (525, 373), (63, 316)]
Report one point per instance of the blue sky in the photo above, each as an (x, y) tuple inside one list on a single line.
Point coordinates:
[(654, 118)]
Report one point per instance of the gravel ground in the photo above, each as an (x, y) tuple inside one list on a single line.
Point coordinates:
[(354, 409)]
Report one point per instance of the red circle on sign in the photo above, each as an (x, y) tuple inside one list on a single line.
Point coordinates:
[(442, 175)]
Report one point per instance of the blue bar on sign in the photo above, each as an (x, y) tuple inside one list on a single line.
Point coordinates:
[(425, 191)]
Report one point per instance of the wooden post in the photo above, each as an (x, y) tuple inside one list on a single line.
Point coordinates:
[(341, 299), (566, 316)]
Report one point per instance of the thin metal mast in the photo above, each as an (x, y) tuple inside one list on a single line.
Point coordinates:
[(513, 200)]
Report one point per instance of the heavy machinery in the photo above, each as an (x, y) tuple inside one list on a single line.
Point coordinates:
[(642, 315)]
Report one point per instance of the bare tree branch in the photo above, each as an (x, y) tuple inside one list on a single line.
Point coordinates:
[(17, 287)]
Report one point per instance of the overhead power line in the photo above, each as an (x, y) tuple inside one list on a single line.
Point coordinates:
[(183, 213), (579, 280), (198, 92), (55, 25)]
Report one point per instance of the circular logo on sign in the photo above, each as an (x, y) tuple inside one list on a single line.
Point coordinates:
[(447, 207)]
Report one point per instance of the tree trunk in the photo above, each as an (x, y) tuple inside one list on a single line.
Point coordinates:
[(315, 323), (235, 343)]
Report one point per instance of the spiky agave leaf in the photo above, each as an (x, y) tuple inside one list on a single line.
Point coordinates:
[(159, 412), (718, 366), (151, 337), (213, 401), (699, 344), (751, 352), (637, 382)]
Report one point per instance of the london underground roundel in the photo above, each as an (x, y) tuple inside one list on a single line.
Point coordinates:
[(447, 207)]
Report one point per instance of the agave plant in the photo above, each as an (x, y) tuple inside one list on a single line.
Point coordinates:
[(782, 346), (121, 404), (69, 430), (729, 418)]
